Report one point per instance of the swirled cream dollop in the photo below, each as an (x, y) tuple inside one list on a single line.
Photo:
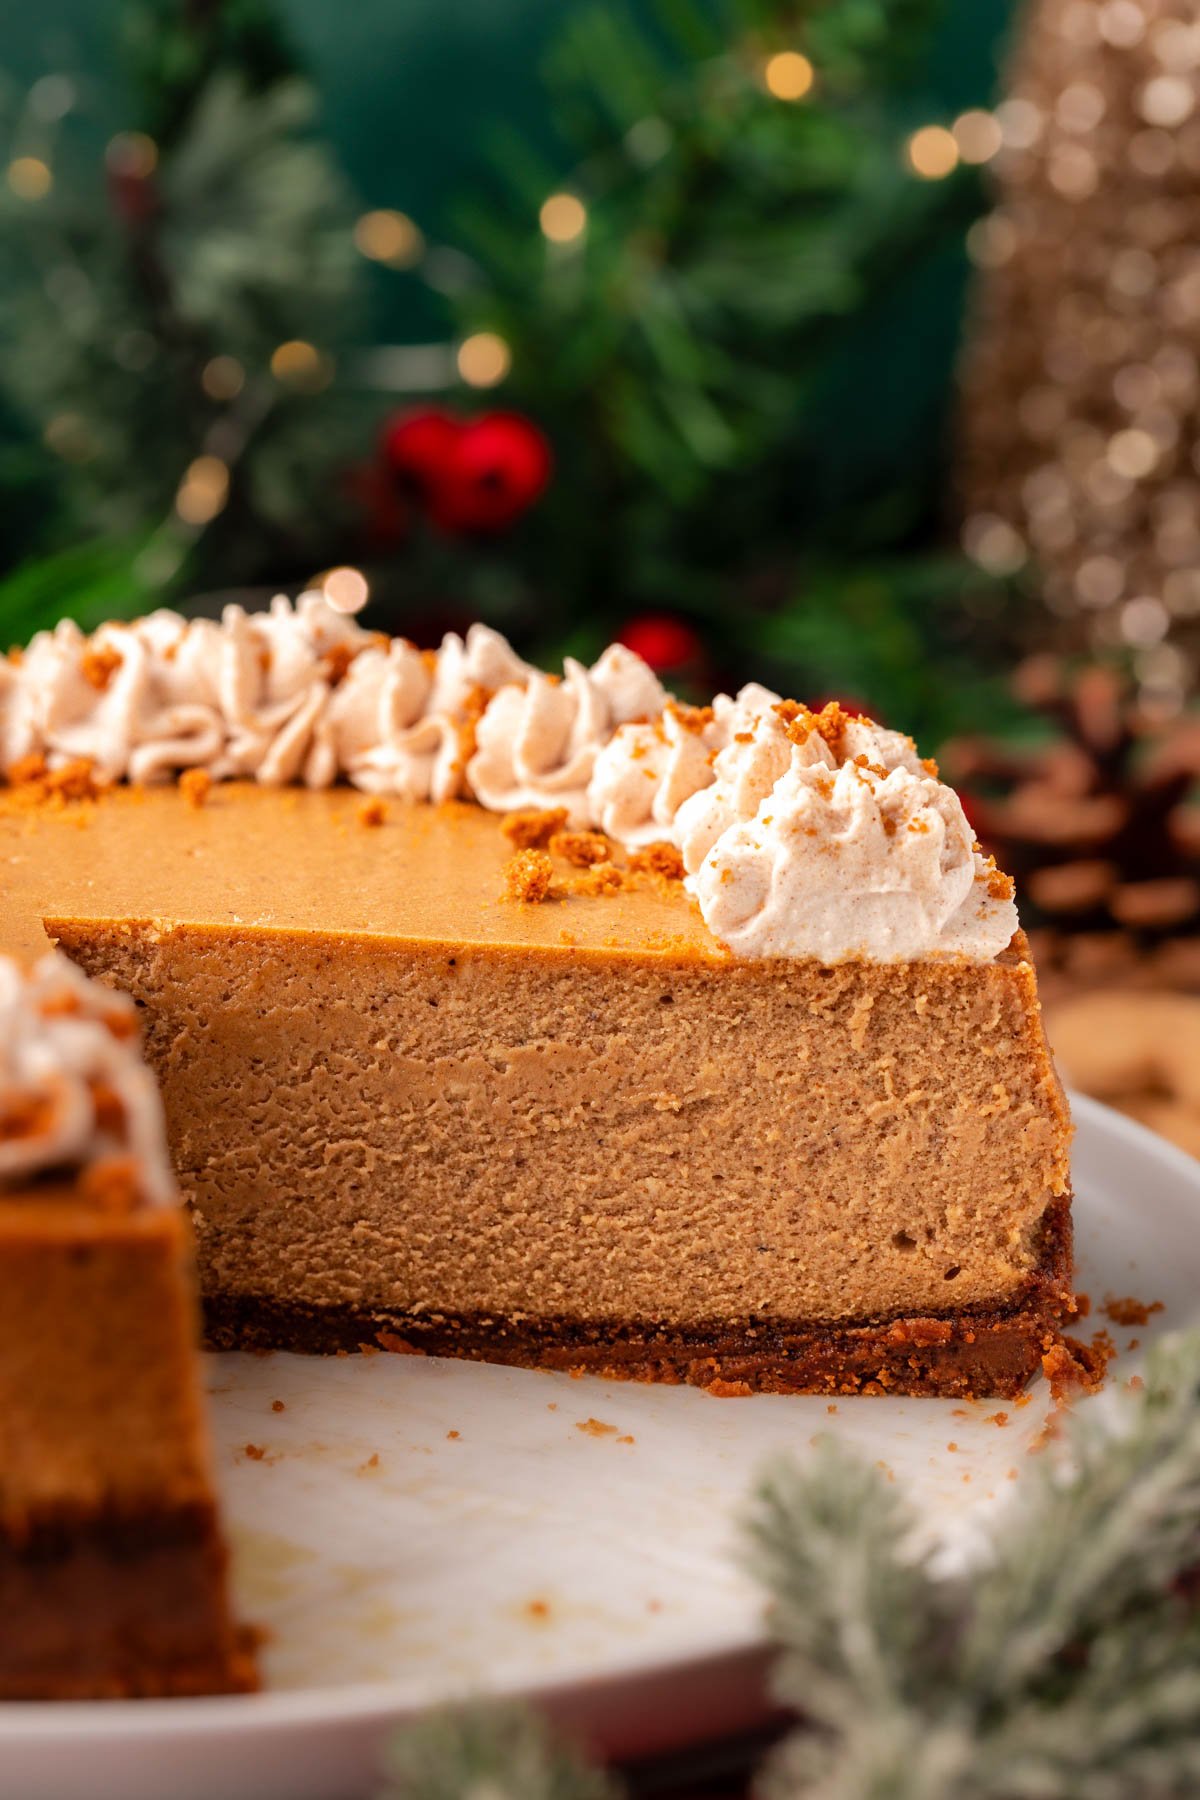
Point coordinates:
[(538, 744), (74, 1091), (403, 719), (853, 861), (248, 696)]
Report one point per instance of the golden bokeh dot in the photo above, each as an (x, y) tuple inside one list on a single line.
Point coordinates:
[(484, 359), (977, 134), (389, 237), (223, 378), (788, 75), (932, 152), (1167, 100), (563, 218), (992, 241), (346, 589), (29, 177), (1144, 620), (301, 365), (132, 153), (1132, 453), (993, 544), (203, 491), (1021, 123)]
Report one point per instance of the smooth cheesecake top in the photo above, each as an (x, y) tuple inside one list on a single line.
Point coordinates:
[(295, 860)]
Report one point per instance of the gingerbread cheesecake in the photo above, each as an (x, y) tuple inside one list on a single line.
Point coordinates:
[(112, 1565), (548, 1021)]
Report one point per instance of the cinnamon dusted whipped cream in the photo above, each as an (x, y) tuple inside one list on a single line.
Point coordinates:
[(73, 1088), (538, 742), (802, 834)]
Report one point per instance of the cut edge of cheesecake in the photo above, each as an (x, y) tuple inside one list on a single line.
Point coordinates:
[(991, 1347), (952, 1355)]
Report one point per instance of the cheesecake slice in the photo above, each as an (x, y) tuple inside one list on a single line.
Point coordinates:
[(112, 1564), (410, 1108)]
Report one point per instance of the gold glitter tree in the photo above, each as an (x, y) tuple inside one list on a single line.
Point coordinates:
[(1081, 435)]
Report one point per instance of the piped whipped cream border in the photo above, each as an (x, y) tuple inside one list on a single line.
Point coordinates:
[(74, 1091), (802, 834)]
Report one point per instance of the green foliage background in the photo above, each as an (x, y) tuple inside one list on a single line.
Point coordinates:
[(764, 420)]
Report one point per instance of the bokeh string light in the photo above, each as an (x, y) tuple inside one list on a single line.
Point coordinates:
[(1082, 389), (563, 218), (483, 359), (29, 178), (390, 237), (932, 152), (788, 75), (203, 491)]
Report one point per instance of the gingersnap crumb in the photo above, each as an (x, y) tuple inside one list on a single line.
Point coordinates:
[(658, 859), (594, 1427), (451, 1435), (1071, 1365), (527, 876), (111, 1185), (601, 878), (277, 1406), (335, 664), (1128, 1311), (371, 812), (254, 1451), (999, 885), (582, 848), (36, 783), (537, 1609), (195, 785), (98, 666), (691, 718), (532, 828)]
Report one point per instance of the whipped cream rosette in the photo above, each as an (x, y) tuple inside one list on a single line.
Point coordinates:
[(853, 862), (73, 1085), (538, 744), (399, 719)]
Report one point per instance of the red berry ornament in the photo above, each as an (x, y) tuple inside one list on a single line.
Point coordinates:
[(661, 640), (500, 466), (420, 446)]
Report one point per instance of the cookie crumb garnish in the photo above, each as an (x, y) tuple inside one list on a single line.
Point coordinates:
[(527, 876), (195, 785), (371, 812), (601, 878), (658, 859), (532, 827), (582, 848), (99, 664)]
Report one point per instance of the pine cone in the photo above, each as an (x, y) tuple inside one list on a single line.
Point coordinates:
[(1095, 826)]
